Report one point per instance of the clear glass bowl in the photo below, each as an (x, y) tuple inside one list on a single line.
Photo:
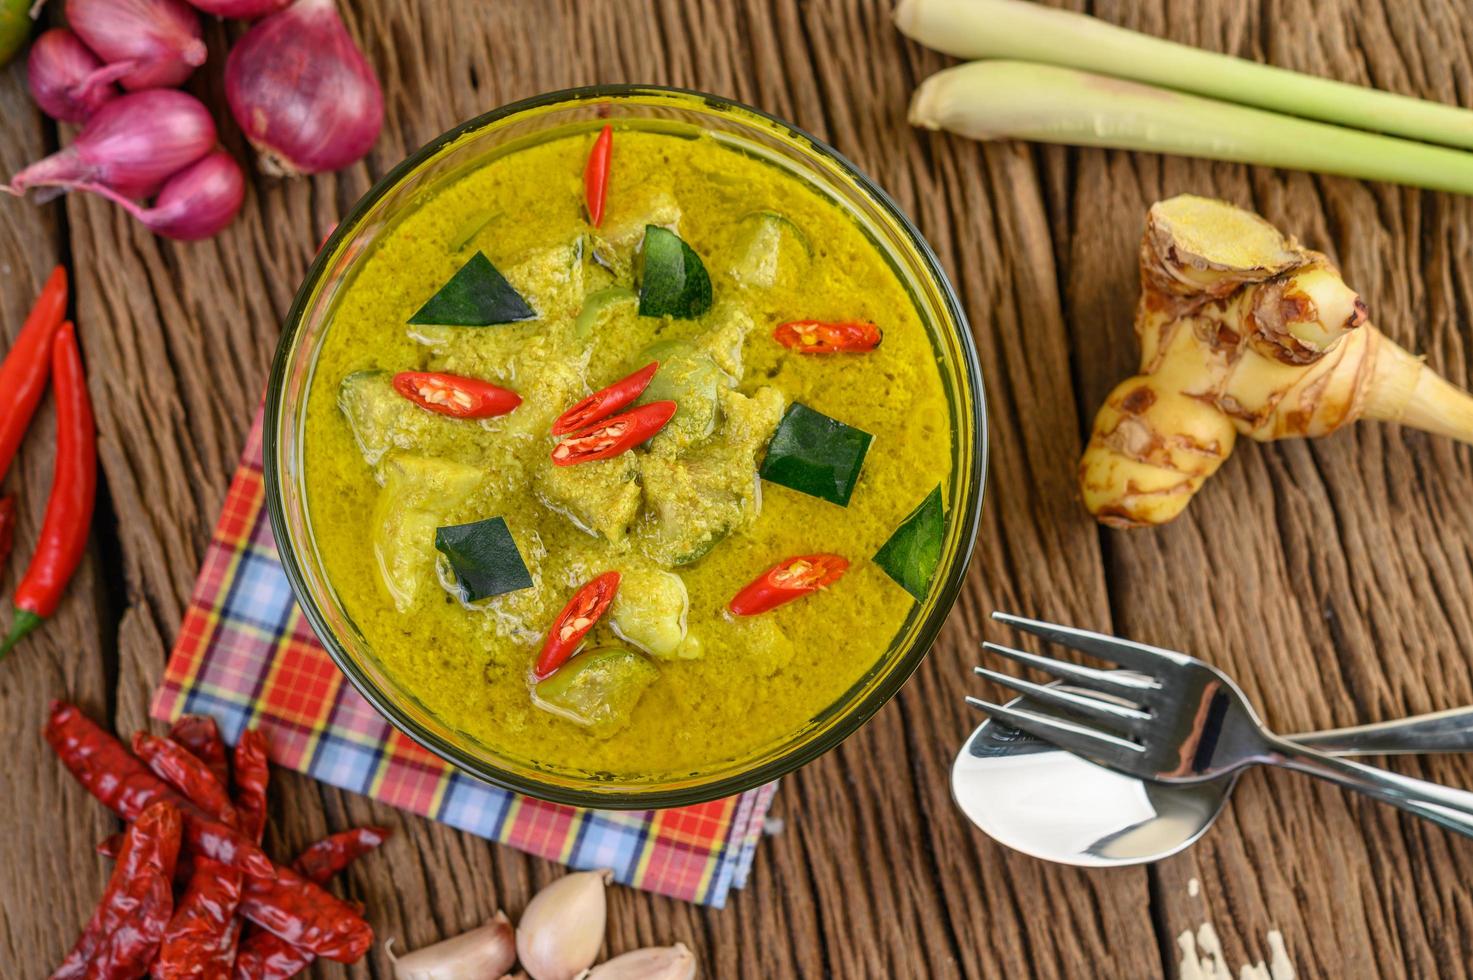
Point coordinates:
[(445, 159)]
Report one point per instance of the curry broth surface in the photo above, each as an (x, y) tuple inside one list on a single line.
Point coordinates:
[(761, 677)]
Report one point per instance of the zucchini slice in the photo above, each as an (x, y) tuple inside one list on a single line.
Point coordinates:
[(484, 558), (476, 296), (673, 279), (913, 552), (816, 455)]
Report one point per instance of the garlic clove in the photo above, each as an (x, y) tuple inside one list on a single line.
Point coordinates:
[(563, 927), (484, 952), (655, 963)]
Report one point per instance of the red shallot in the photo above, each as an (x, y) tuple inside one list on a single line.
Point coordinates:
[(67, 80), (303, 93), (242, 9), (131, 145), (195, 203), (160, 37)]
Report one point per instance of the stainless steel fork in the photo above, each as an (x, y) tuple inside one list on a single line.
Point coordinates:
[(1182, 720)]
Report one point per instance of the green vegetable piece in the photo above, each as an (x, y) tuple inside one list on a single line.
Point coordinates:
[(476, 296), (598, 689), (913, 552), (484, 558), (418, 492), (816, 455), (689, 378), (673, 281), (594, 306), (770, 251), (650, 612)]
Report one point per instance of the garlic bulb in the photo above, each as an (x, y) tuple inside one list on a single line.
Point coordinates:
[(487, 951), (563, 927), (655, 963)]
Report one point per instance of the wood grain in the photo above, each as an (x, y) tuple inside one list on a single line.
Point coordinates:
[(1333, 578)]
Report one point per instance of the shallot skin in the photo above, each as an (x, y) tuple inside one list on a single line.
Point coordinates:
[(160, 39), (302, 92), (67, 80), (198, 201), (240, 9), (131, 145)]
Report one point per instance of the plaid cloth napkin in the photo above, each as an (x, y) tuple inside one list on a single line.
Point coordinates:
[(247, 656)]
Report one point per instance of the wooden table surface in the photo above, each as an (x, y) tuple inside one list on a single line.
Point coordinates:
[(1333, 578)]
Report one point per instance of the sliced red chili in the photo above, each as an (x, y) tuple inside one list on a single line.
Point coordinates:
[(454, 395), (788, 580), (574, 622), (818, 337), (606, 401), (596, 175), (614, 435)]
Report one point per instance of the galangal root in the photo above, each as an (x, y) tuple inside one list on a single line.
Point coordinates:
[(1242, 330)]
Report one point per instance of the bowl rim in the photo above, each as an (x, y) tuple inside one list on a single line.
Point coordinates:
[(883, 690)]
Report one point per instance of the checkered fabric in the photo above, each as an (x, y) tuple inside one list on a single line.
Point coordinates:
[(247, 656)]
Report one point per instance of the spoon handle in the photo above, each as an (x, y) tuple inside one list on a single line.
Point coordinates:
[(1440, 731)]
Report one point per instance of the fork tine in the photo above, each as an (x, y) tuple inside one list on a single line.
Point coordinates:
[(1131, 719), (1132, 688), (1126, 653), (1079, 739)]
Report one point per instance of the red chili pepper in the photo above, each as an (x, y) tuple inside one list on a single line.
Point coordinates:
[(605, 402), (613, 436), (304, 914), (7, 527), (187, 773), (454, 395), (120, 940), (23, 373), (110, 773), (788, 580), (817, 337), (266, 956), (596, 175), (252, 773), (574, 622), (201, 736), (73, 492), (200, 940)]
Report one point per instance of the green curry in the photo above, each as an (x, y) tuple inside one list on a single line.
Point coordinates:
[(457, 605)]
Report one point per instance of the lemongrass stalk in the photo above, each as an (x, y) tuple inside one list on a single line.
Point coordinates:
[(1013, 100), (1026, 31)]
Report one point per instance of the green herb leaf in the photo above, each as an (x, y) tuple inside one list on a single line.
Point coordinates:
[(674, 281), (476, 296), (484, 558), (913, 552), (816, 455)]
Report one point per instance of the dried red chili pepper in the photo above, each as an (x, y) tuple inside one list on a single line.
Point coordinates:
[(252, 773), (201, 736), (122, 937), (574, 622), (200, 939), (304, 914), (25, 368), (596, 175), (187, 773), (73, 492), (266, 956), (454, 395), (606, 401), (613, 436), (788, 580), (817, 337), (110, 773)]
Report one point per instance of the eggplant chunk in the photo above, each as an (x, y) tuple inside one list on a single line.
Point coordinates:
[(598, 690)]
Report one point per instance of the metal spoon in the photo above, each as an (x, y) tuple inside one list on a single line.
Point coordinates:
[(1051, 804)]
